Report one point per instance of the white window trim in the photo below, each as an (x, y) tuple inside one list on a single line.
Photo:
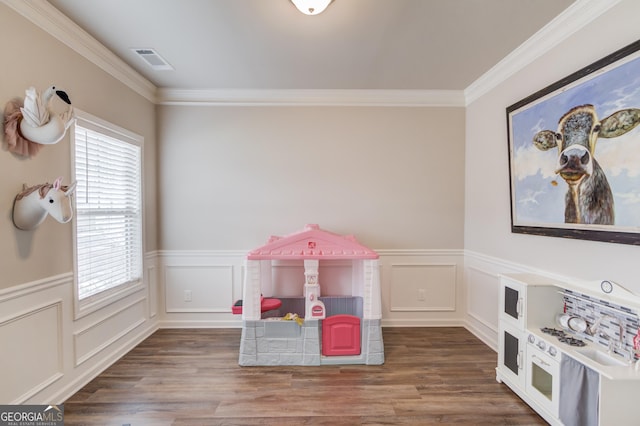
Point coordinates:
[(93, 303)]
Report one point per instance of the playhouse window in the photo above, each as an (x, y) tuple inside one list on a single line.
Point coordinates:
[(108, 209)]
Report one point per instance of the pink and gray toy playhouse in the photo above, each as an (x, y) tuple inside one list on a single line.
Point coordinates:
[(309, 328)]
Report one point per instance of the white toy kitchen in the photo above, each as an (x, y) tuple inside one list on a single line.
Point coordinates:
[(570, 349)]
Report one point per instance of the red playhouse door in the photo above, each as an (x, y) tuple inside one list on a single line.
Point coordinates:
[(341, 335)]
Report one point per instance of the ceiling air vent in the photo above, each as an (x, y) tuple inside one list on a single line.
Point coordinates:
[(153, 59)]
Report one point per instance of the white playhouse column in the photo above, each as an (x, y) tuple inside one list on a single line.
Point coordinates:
[(373, 346), (313, 307), (251, 313), (372, 296), (251, 291)]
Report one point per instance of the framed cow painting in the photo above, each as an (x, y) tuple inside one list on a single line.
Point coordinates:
[(574, 154)]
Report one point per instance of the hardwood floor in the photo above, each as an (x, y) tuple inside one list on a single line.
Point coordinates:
[(192, 377)]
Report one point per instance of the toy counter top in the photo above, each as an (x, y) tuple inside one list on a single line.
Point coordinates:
[(266, 304)]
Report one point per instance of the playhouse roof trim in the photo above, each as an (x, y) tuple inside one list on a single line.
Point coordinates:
[(312, 243)]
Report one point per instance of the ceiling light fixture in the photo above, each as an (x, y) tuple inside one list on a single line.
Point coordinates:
[(311, 7)]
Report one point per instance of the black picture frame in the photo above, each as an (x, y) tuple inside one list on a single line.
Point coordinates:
[(540, 180)]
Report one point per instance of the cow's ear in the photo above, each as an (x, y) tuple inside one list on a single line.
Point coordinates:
[(545, 140), (619, 123)]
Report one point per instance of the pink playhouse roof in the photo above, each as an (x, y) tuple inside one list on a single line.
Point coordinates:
[(312, 243)]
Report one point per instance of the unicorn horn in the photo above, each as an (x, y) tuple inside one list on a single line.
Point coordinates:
[(71, 188)]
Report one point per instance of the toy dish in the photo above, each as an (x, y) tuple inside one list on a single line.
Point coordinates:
[(563, 320), (577, 324)]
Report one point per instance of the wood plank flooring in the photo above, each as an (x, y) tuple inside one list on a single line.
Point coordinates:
[(192, 377)]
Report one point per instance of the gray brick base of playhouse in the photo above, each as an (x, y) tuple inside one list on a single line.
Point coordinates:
[(272, 342)]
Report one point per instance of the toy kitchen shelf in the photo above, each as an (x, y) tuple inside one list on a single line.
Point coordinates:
[(535, 352)]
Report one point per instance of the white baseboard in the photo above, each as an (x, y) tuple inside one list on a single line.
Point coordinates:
[(422, 323), (489, 339), (200, 324)]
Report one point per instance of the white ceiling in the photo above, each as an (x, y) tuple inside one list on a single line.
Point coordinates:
[(354, 44)]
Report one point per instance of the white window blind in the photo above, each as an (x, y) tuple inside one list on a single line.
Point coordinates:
[(108, 219)]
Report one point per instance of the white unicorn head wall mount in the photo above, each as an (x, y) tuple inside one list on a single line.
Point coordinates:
[(33, 204)]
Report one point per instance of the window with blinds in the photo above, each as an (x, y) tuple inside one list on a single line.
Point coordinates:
[(108, 198)]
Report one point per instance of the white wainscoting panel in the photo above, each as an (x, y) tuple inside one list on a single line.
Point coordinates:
[(419, 287), (460, 288), (199, 288), (218, 275), (31, 355), (482, 299), (47, 354), (213, 280), (104, 332), (482, 280)]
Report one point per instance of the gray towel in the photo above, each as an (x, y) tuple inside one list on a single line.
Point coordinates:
[(579, 392)]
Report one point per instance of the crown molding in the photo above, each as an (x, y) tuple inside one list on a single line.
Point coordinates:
[(54, 22), (310, 97), (51, 20), (242, 254), (572, 19)]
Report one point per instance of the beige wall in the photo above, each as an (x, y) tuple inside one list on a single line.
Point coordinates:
[(33, 58), (430, 181), (487, 219), (232, 176)]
